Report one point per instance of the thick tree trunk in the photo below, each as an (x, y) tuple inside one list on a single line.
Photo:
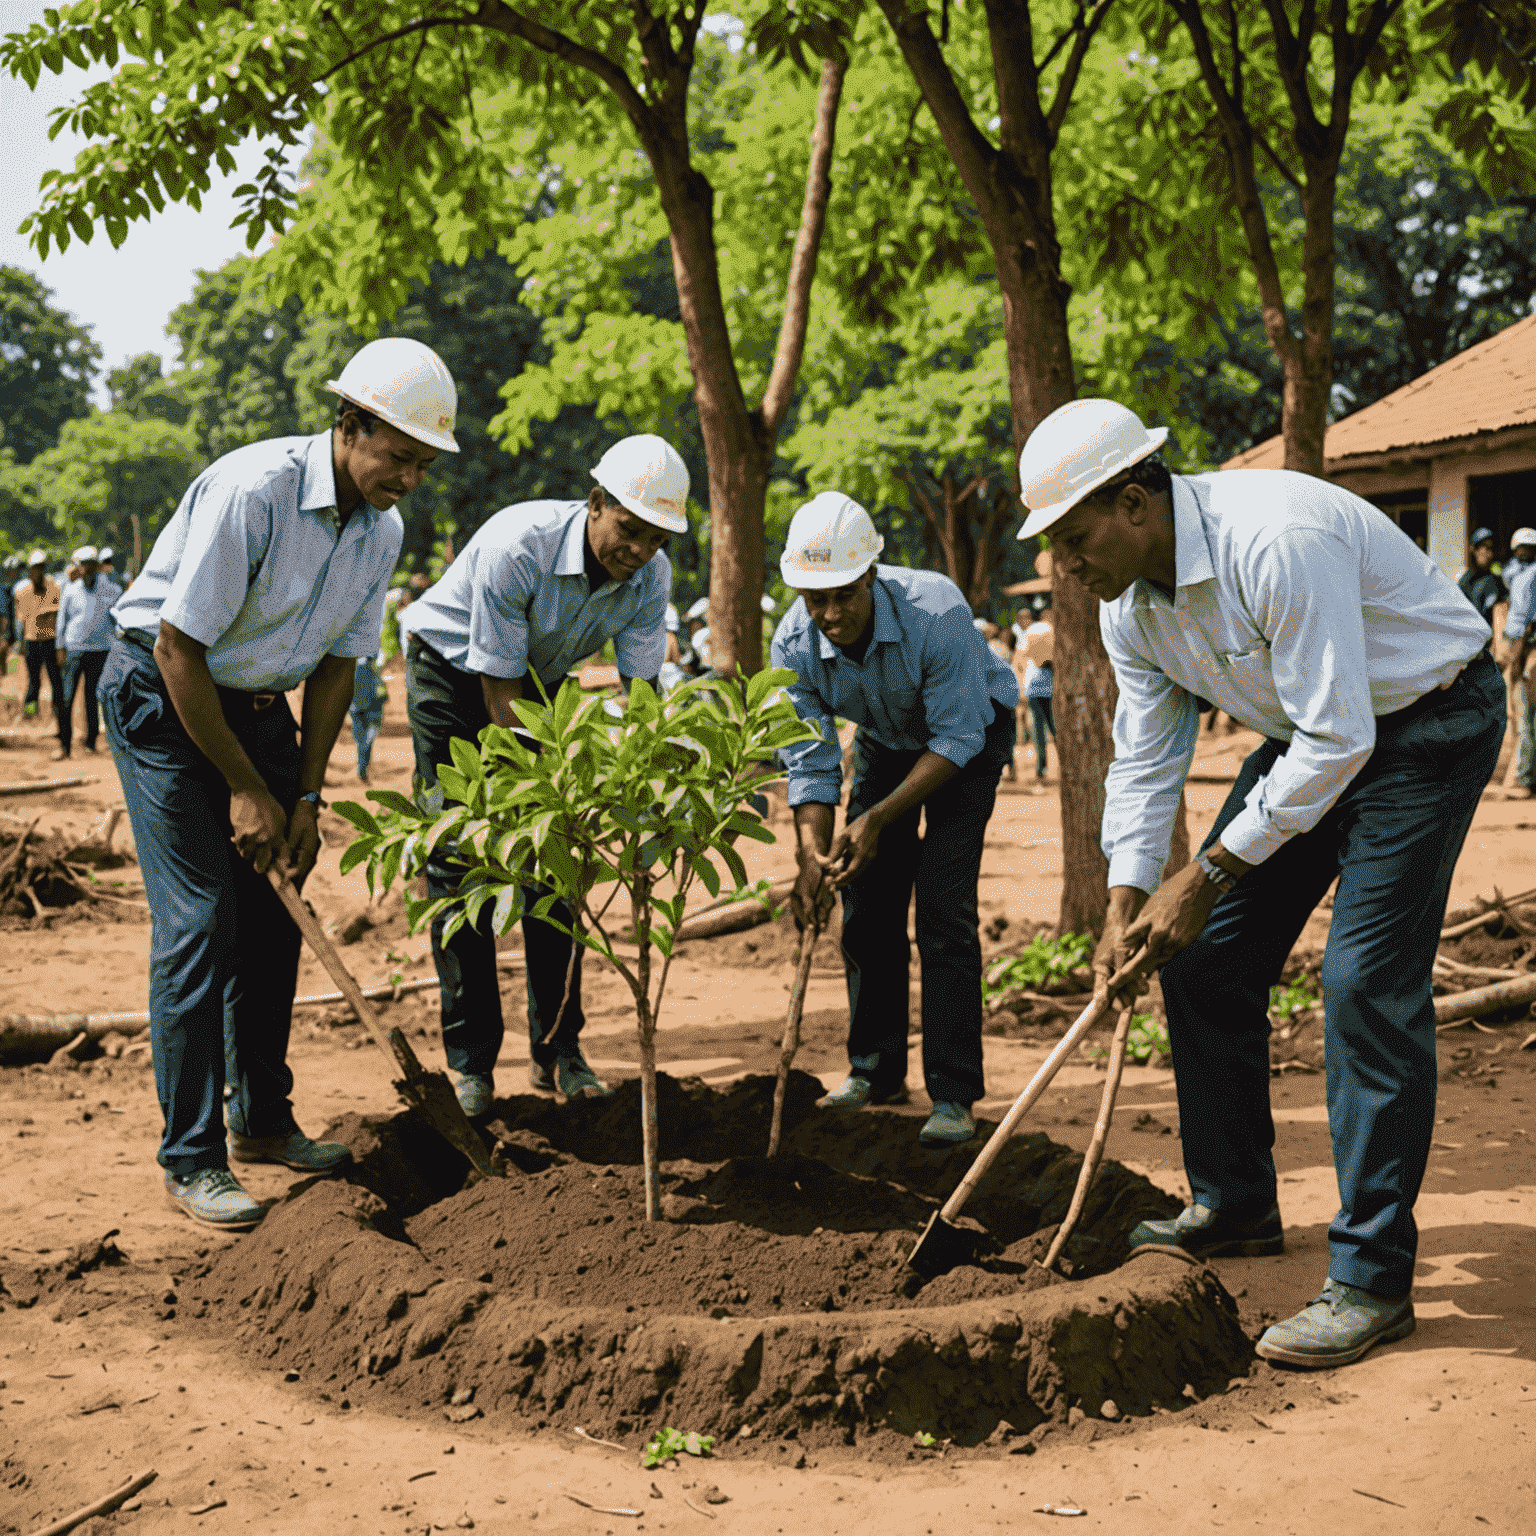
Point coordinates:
[(1309, 366)]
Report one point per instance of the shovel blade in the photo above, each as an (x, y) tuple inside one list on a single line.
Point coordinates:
[(941, 1248)]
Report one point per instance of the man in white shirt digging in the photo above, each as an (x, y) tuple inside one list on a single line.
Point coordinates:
[(1309, 616)]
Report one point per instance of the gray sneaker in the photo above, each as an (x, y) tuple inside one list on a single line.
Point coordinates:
[(214, 1197), (1338, 1327), (292, 1150), (948, 1125), (576, 1080), (1206, 1234), (475, 1094), (855, 1092)]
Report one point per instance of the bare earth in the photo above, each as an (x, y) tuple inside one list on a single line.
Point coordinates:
[(110, 1373)]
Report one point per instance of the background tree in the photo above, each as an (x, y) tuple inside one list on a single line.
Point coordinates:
[(140, 389), (47, 365)]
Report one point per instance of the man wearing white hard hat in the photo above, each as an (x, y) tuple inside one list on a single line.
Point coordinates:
[(272, 572), (1520, 631), (540, 586), (84, 638), (37, 616), (1308, 616), (894, 650)]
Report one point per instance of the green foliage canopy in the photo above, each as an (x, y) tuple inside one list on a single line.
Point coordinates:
[(47, 364)]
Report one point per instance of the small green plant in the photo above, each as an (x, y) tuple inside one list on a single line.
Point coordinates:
[(667, 1443), (642, 800), (1040, 961), (1284, 1001), (1145, 1038), (923, 1440)]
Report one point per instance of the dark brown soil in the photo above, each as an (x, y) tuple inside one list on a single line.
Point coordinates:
[(775, 1296)]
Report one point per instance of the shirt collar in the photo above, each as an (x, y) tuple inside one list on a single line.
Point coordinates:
[(1192, 562), (887, 624), (317, 488)]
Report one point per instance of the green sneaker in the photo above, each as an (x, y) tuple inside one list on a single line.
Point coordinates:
[(475, 1093), (293, 1149), (855, 1092), (1206, 1234), (214, 1197), (576, 1080), (948, 1125), (1338, 1327)]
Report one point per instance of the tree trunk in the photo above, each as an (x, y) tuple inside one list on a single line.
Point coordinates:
[(640, 898), (1309, 366)]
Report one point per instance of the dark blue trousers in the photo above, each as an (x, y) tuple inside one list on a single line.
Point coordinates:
[(81, 667), (42, 658), (222, 943), (444, 702), (944, 865), (1392, 839)]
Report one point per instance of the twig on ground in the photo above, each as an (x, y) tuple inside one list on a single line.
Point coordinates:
[(613, 1445), (113, 1500), (709, 1514), (1444, 962), (603, 1509), (1364, 1495)]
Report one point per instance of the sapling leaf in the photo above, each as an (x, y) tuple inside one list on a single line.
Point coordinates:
[(360, 817), (392, 800)]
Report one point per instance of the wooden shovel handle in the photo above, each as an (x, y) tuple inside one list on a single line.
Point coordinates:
[(791, 1041), (1131, 971)]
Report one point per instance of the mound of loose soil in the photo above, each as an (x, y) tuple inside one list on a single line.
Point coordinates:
[(774, 1298)]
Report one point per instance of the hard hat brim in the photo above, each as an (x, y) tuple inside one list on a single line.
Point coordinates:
[(671, 522), (1041, 518), (441, 440), (819, 581)]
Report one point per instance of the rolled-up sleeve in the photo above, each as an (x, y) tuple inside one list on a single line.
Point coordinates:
[(1303, 589), (814, 768), (957, 698), (641, 646), (228, 531), (500, 587), (1156, 725)]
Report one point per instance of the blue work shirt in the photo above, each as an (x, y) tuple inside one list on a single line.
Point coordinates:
[(927, 682), (251, 566), (1521, 576), (85, 615), (517, 598)]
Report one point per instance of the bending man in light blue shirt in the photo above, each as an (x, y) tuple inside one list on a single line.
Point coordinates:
[(1309, 616), (84, 638), (271, 572), (540, 586), (894, 650)]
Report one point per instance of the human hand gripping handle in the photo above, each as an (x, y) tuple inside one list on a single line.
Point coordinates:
[(852, 851), (260, 826)]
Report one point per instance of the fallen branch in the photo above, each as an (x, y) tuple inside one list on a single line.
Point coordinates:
[(603, 1509), (1445, 963), (114, 1500), (45, 786), (1483, 905), (1489, 999)]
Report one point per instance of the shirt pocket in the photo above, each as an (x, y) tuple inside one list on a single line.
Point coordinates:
[(1248, 667)]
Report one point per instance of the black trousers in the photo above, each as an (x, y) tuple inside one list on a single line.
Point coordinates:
[(442, 703), (81, 667), (42, 657), (944, 865)]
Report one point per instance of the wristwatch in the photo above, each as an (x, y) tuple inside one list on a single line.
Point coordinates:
[(1222, 879), (313, 796)]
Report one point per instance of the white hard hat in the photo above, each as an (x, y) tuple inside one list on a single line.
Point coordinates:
[(674, 623), (698, 611), (37, 557), (405, 383), (769, 606), (831, 542), (106, 553), (646, 475), (1076, 449), (85, 552), (1523, 536), (979, 625)]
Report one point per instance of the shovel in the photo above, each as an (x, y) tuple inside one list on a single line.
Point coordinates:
[(791, 1042), (429, 1092), (943, 1245)]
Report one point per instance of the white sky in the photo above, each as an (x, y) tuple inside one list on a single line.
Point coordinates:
[(124, 295)]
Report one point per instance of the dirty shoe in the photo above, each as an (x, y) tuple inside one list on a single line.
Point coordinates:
[(1206, 1234), (1338, 1327), (293, 1149), (576, 1080), (856, 1092), (475, 1093), (948, 1125), (214, 1197)]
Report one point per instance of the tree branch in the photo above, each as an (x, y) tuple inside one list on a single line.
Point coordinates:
[(1062, 100), (802, 261), (422, 24)]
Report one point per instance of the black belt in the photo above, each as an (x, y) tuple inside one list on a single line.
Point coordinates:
[(240, 700)]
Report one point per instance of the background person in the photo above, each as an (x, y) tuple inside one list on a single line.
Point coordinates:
[(540, 586), (271, 572), (37, 614), (10, 577), (1300, 610), (1519, 630), (85, 637), (370, 693), (1039, 648), (1480, 584), (894, 650)]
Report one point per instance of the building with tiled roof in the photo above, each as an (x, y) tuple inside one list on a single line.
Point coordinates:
[(1452, 451)]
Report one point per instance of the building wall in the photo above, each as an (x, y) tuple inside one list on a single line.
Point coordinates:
[(1449, 509)]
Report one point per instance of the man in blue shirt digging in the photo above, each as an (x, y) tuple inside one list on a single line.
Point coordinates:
[(271, 573), (540, 586), (895, 651)]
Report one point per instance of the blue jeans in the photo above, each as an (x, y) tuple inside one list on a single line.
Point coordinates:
[(365, 731), (1042, 722), (78, 666), (944, 865), (442, 703), (1392, 839), (221, 942)]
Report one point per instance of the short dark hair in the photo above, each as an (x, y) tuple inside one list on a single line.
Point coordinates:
[(366, 420), (1151, 474)]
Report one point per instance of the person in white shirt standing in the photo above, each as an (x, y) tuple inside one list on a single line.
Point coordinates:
[(1309, 616)]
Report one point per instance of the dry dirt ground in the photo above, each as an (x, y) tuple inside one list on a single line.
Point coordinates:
[(110, 1373)]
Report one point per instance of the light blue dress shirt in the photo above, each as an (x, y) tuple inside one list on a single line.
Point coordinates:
[(927, 682), (1521, 576), (517, 598), (250, 565), (85, 615), (1303, 612)]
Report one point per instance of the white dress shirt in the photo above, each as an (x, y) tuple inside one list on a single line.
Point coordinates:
[(1302, 611)]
